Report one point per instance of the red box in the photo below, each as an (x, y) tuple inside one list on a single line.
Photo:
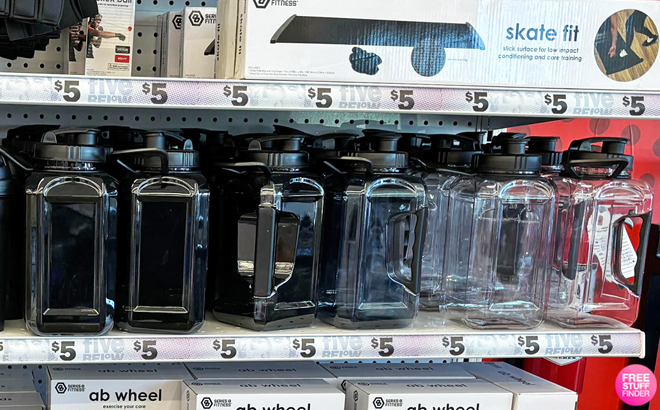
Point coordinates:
[(122, 59)]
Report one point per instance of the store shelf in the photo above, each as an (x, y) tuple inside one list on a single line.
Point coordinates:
[(428, 338), (282, 96)]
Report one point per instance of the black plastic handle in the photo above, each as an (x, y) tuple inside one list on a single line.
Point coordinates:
[(144, 152), (239, 167), (337, 163), (264, 258), (5, 154), (396, 249), (585, 143), (620, 163), (576, 240), (617, 242)]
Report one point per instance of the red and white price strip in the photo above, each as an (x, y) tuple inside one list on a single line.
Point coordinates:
[(141, 92)]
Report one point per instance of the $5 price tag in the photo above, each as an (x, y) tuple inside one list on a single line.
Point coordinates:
[(306, 346), (66, 348), (604, 343), (148, 347), (227, 347), (530, 344), (383, 345), (455, 345)]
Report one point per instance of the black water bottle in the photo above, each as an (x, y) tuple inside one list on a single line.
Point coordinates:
[(164, 236), (8, 214)]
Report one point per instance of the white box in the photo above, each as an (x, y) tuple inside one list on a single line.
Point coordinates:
[(110, 39), (392, 371), (259, 370), (17, 385), (225, 52), (171, 46), (530, 392), (96, 386), (22, 400), (160, 29), (547, 43), (259, 394), (470, 394), (76, 46), (198, 41)]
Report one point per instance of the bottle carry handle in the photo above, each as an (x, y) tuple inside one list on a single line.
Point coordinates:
[(397, 255), (576, 240), (266, 248), (335, 164), (143, 152), (621, 164), (241, 167), (7, 156), (423, 164), (617, 242)]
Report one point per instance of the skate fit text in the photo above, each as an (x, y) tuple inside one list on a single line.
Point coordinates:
[(569, 33)]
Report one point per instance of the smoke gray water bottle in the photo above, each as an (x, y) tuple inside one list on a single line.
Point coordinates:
[(71, 238)]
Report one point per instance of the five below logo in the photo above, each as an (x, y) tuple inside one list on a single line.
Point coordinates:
[(261, 4), (196, 18)]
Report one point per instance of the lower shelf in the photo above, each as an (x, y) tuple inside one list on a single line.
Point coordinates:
[(428, 338)]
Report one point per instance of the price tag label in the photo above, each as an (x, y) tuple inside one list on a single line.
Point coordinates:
[(67, 350), (636, 103), (604, 343), (529, 344), (479, 100), (557, 102), (70, 89), (405, 97), (237, 94), (321, 95), (158, 91), (383, 345), (147, 347), (226, 348), (454, 344), (305, 347)]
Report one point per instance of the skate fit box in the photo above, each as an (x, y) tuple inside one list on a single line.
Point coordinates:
[(21, 400), (259, 370), (549, 43), (198, 42), (426, 395), (109, 39), (170, 54), (530, 392), (261, 394), (96, 386), (345, 372)]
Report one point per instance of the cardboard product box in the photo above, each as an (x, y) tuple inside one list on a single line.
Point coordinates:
[(226, 39), (17, 385), (344, 372), (76, 46), (97, 386), (160, 29), (259, 370), (16, 375), (198, 42), (469, 394), (109, 39), (582, 44), (171, 45), (261, 394), (530, 392), (21, 400)]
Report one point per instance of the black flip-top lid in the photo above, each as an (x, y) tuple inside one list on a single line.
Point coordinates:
[(79, 146), (277, 151), (6, 181), (180, 151), (546, 148), (511, 158), (612, 148), (383, 153), (445, 153)]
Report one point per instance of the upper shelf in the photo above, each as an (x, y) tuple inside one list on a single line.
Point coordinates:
[(428, 338), (283, 96)]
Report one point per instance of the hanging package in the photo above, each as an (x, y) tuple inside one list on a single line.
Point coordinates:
[(163, 224)]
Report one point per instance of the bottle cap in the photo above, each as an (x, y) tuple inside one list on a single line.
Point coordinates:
[(180, 151), (511, 158), (612, 148), (79, 146)]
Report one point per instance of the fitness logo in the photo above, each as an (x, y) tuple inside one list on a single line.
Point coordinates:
[(356, 395), (207, 403), (379, 402), (176, 21), (196, 18), (60, 388), (261, 4)]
